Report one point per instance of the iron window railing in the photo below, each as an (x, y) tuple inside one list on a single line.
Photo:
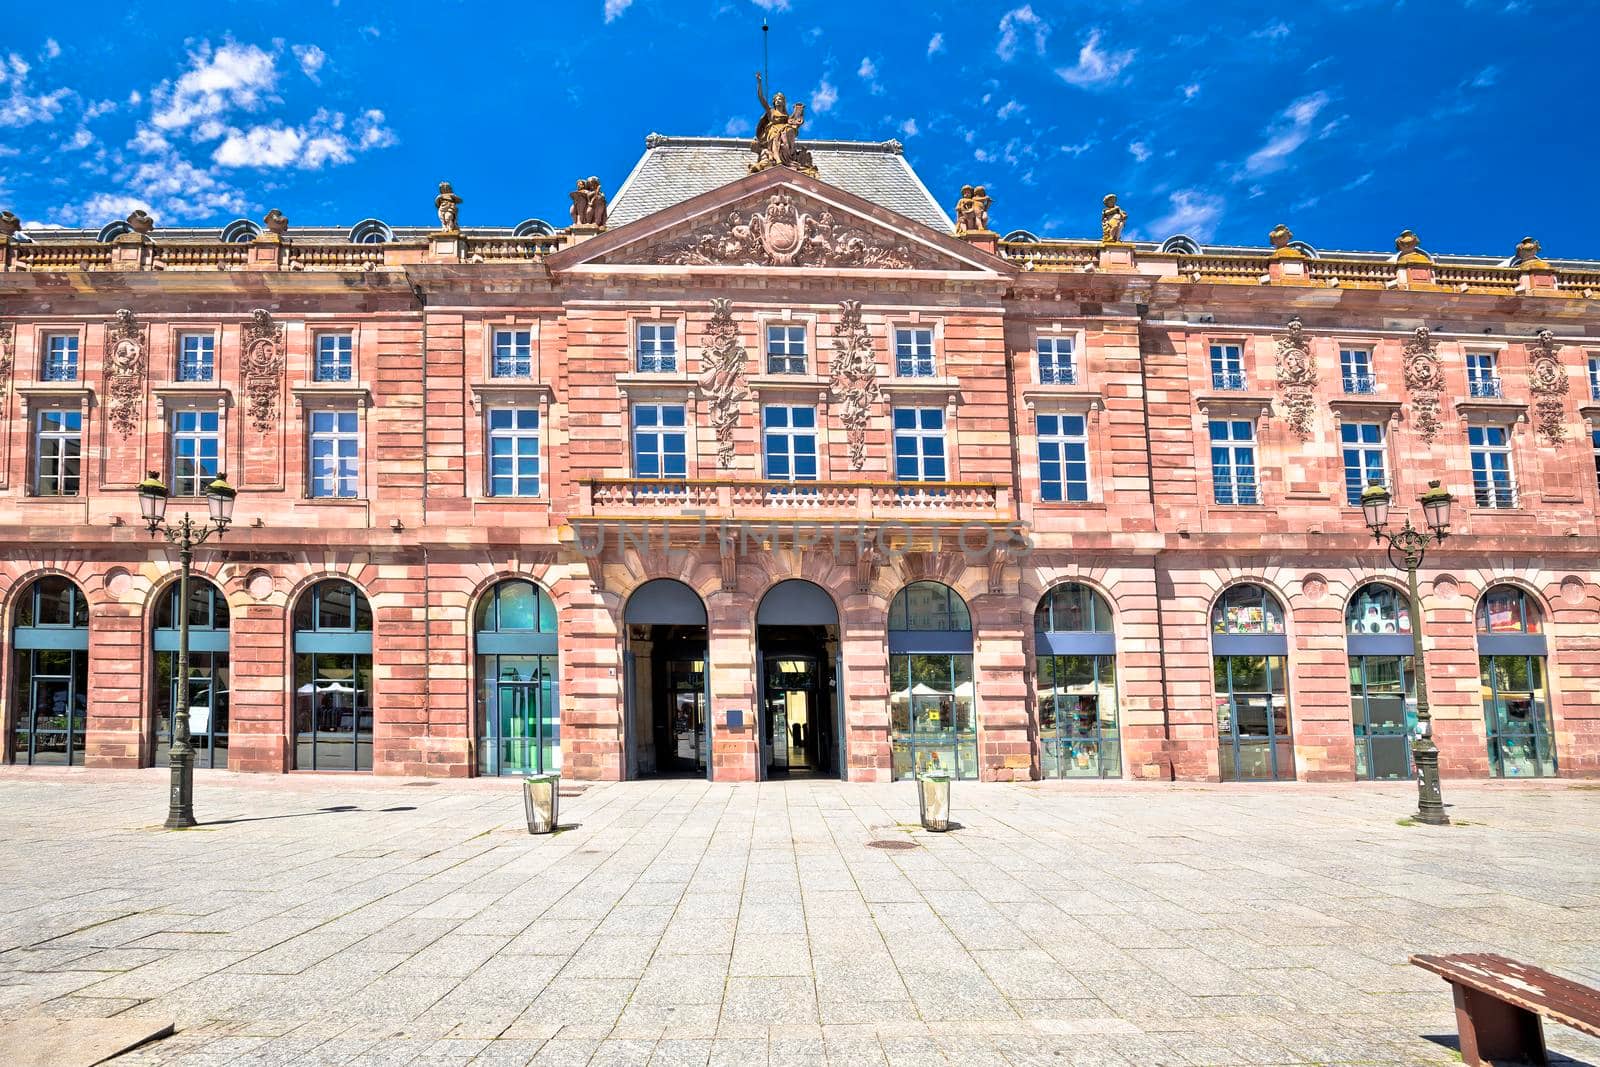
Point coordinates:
[(1229, 379), (1361, 384), (1484, 387)]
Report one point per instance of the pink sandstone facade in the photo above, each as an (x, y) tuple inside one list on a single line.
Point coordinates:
[(1147, 348)]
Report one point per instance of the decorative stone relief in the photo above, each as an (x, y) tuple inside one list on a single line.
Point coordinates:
[(854, 384), (722, 380), (263, 368), (782, 235), (1549, 385), (1423, 382), (1297, 378), (8, 335), (125, 364)]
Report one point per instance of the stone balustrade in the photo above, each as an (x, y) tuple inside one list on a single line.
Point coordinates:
[(718, 498)]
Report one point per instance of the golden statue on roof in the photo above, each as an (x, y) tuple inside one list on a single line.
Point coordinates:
[(776, 142)]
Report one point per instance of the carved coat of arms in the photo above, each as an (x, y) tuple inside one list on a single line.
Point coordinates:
[(1297, 377), (781, 234), (1549, 385), (262, 368), (125, 363)]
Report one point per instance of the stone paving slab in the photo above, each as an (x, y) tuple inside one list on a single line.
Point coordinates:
[(360, 920)]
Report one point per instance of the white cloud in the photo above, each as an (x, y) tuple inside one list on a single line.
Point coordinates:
[(311, 60), (81, 138), (824, 96), (100, 208), (767, 5), (234, 77), (737, 127), (1016, 22), (935, 45), (614, 9), (1009, 108), (1192, 212), (1291, 131), (1139, 150), (19, 104), (1075, 150), (1191, 91), (868, 72), (1273, 31), (260, 146), (51, 48), (322, 140), (1094, 67), (1486, 77), (909, 128)]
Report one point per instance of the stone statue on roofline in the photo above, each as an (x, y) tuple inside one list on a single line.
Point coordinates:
[(1112, 219), (776, 142), (589, 204), (449, 207), (276, 222), (972, 210), (9, 224)]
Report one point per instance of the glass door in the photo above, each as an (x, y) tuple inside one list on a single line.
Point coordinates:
[(1252, 719), (58, 727), (526, 737), (52, 689), (688, 743), (207, 706), (1383, 712), (1517, 716), (793, 715)]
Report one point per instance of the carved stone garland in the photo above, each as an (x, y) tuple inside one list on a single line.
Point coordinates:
[(1549, 385), (1297, 377), (263, 368), (722, 380), (125, 367), (1423, 382), (854, 384), (782, 235), (7, 336)]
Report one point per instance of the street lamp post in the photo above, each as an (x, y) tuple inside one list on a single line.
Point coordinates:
[(1406, 548), (186, 533)]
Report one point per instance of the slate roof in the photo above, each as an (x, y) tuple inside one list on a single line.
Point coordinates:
[(675, 169)]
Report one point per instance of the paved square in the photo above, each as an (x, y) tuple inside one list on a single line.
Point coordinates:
[(324, 920)]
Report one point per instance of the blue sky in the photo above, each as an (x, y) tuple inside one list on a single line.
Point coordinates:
[(1471, 123)]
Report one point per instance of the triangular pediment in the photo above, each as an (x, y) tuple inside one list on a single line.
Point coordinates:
[(776, 219)]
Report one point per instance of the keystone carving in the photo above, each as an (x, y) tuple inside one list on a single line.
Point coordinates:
[(1548, 383), (722, 380), (263, 368), (782, 235), (1297, 378), (1423, 382), (125, 365), (854, 383)]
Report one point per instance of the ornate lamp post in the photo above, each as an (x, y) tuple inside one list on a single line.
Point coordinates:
[(1406, 548), (185, 534)]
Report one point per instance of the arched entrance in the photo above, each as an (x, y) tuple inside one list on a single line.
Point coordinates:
[(932, 721), (1383, 681), (207, 699), (1075, 688), (1516, 694), (517, 714), (667, 688), (333, 678), (50, 697), (1249, 666), (797, 653)]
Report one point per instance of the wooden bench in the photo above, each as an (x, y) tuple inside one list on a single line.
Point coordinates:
[(1499, 1003)]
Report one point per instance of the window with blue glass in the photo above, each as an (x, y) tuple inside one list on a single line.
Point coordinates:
[(335, 357), (1227, 367), (1355, 370), (1056, 365), (919, 444), (196, 449), (1594, 437), (514, 451), (58, 453), (1063, 457), (1363, 458), (1483, 379), (660, 441), (333, 678), (789, 439), (786, 349), (60, 358), (913, 352), (197, 357), (657, 349), (513, 354), (1233, 461), (1594, 377), (1492, 483), (335, 453)]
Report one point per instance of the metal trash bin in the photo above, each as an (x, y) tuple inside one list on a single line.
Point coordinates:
[(541, 798), (933, 800)]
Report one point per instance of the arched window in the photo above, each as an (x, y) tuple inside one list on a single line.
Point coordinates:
[(1249, 667), (1383, 684), (931, 699), (240, 231), (333, 678), (371, 232), (1075, 688), (1512, 667), (50, 633), (518, 711), (207, 700)]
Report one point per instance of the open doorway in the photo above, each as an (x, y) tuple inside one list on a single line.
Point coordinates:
[(797, 643), (667, 671)]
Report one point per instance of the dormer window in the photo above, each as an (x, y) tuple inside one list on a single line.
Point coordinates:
[(1227, 367), (1483, 376), (1355, 371)]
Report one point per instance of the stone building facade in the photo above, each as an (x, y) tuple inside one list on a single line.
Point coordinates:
[(776, 474)]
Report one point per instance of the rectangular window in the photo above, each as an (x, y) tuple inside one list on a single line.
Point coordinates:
[(335, 453), (60, 358), (1227, 367), (786, 349), (1055, 361), (1594, 437), (335, 357), (1482, 377), (1355, 370), (57, 448), (789, 439), (1363, 458), (658, 348), (1233, 461), (913, 352), (1063, 457), (513, 451), (660, 441), (513, 354), (1492, 482), (919, 444), (196, 448), (1594, 377), (197, 357)]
